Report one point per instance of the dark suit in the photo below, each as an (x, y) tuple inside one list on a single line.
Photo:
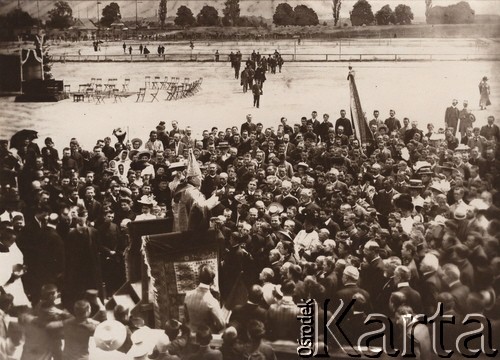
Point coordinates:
[(94, 208), (349, 291), (83, 270), (346, 123), (330, 282), (29, 241), (431, 286), (249, 127), (209, 184), (180, 148), (381, 302), (413, 298), (491, 132), (242, 314), (331, 226), (372, 277), (46, 261), (392, 124), (51, 255), (323, 130), (382, 201), (460, 293), (451, 118)]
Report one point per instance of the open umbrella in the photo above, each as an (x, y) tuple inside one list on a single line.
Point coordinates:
[(17, 140)]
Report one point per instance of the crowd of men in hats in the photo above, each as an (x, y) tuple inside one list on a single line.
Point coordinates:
[(306, 211), (253, 75)]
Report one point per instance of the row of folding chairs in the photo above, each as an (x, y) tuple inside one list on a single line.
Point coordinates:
[(163, 84), (184, 90), (141, 94), (110, 85)]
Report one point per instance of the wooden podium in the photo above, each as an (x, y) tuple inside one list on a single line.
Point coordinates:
[(172, 259)]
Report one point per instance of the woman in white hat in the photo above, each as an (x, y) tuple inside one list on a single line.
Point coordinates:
[(147, 203)]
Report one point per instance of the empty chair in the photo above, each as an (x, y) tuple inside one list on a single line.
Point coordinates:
[(147, 81), (117, 95), (126, 84), (99, 96), (172, 91), (154, 95), (89, 93), (156, 81), (98, 81), (164, 83), (92, 81), (111, 89), (67, 89), (140, 94)]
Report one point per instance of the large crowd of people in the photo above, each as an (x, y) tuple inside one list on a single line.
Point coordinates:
[(306, 210)]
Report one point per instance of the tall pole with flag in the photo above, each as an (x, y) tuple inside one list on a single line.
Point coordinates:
[(358, 119)]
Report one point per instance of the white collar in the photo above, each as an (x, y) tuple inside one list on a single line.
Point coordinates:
[(403, 284)]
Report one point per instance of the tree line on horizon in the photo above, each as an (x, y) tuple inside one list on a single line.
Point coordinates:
[(61, 15)]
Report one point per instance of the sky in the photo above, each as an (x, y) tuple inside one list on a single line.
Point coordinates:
[(84, 8)]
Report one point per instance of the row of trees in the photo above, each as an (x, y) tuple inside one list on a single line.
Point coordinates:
[(300, 15), (208, 15), (460, 13), (362, 14), (61, 15)]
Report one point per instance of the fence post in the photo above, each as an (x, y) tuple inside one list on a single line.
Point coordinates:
[(326, 57), (360, 55), (395, 57)]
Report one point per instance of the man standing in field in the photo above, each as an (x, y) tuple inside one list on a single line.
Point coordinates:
[(256, 90), (451, 116), (392, 123)]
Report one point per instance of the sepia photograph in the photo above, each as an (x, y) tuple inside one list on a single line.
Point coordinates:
[(249, 179)]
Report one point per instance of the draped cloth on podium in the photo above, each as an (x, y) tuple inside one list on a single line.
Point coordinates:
[(359, 123), (173, 261)]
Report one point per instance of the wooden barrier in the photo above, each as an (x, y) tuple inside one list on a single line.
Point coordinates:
[(330, 57)]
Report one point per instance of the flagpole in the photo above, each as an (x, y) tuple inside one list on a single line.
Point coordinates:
[(360, 126)]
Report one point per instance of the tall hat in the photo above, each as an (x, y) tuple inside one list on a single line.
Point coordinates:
[(193, 172), (193, 168)]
